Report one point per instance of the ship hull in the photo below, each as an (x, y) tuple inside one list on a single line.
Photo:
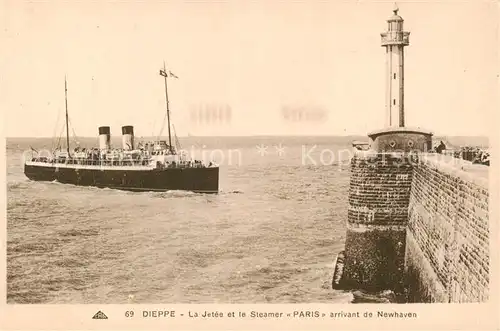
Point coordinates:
[(199, 180)]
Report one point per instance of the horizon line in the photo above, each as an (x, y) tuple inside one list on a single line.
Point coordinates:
[(250, 136)]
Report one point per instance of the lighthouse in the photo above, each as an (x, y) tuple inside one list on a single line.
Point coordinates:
[(396, 136), (394, 40), (380, 203)]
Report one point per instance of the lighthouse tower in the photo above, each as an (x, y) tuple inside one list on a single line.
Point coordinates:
[(394, 40), (396, 136), (379, 192)]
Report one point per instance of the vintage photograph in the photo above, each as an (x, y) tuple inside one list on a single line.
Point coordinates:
[(203, 152)]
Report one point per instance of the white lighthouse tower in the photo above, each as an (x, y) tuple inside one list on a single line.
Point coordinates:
[(396, 136), (394, 41)]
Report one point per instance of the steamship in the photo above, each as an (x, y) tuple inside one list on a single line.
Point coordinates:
[(148, 166)]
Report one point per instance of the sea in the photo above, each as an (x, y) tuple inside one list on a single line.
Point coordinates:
[(270, 236)]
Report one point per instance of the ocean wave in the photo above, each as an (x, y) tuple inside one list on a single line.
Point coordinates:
[(221, 191), (180, 193), (31, 247), (171, 194), (18, 184), (79, 233), (236, 192), (69, 263), (386, 296)]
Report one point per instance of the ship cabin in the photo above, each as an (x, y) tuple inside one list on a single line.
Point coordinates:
[(159, 147)]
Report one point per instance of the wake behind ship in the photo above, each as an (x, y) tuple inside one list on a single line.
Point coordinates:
[(149, 166)]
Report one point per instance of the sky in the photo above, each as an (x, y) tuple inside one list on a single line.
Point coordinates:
[(255, 58)]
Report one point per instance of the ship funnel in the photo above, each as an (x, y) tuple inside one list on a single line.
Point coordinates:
[(104, 138), (128, 137)]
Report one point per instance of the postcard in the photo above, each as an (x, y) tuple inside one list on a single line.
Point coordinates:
[(250, 164)]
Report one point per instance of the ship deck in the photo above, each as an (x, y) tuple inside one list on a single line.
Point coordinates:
[(92, 166), (96, 165)]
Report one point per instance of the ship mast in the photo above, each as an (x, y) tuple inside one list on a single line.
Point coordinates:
[(67, 126), (164, 74)]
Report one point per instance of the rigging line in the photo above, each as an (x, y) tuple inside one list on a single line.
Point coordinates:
[(175, 136), (60, 136), (54, 135), (55, 129), (177, 142), (75, 138), (162, 126)]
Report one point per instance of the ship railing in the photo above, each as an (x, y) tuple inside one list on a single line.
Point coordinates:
[(187, 164), (122, 163)]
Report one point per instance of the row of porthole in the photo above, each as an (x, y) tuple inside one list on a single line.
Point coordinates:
[(393, 144)]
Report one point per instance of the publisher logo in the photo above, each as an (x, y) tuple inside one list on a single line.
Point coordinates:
[(100, 316)]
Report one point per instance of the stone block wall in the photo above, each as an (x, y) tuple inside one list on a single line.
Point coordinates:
[(447, 242), (379, 194), (379, 189), (418, 224)]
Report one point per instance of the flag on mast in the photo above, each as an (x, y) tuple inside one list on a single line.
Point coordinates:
[(167, 74)]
